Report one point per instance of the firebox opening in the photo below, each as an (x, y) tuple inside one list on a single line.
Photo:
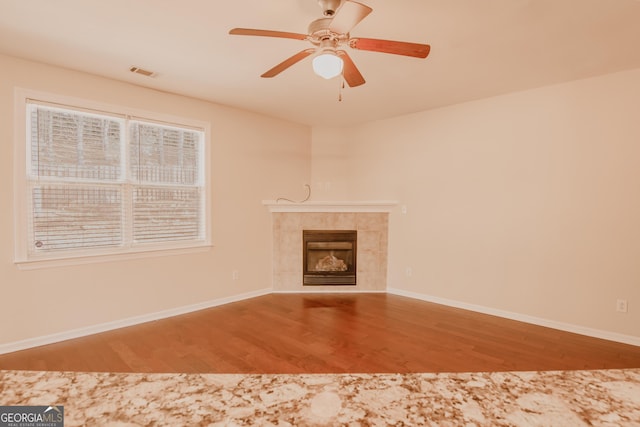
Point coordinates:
[(329, 257)]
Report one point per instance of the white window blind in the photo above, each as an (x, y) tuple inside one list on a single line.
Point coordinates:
[(101, 182), (76, 217), (167, 204)]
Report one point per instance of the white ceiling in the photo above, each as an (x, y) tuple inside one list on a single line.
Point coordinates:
[(479, 48)]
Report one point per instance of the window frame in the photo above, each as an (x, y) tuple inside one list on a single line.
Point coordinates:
[(22, 146)]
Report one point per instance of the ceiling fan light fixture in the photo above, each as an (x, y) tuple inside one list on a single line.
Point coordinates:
[(329, 36), (327, 65)]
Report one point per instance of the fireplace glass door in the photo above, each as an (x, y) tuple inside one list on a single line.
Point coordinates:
[(329, 257)]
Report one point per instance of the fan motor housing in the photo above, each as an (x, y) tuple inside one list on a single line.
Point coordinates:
[(319, 26), (319, 32)]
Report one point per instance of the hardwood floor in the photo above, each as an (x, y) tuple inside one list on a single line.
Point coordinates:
[(328, 333)]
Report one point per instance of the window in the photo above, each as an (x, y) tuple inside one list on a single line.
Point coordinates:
[(105, 183)]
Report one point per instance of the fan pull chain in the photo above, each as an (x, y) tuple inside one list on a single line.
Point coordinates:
[(340, 90)]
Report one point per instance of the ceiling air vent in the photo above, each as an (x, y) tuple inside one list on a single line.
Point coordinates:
[(142, 71)]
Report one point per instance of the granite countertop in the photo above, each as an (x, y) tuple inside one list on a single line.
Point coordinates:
[(556, 398)]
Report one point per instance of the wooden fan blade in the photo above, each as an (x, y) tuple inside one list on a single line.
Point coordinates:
[(348, 16), (288, 63), (349, 70), (266, 33), (416, 50)]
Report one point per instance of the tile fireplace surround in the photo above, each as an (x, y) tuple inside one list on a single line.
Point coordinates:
[(369, 219)]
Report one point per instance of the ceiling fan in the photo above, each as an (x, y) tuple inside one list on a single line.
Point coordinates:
[(329, 35)]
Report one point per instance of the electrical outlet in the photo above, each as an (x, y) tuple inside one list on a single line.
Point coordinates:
[(408, 271), (235, 274), (621, 305)]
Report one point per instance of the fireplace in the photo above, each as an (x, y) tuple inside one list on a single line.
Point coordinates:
[(329, 257), (371, 221)]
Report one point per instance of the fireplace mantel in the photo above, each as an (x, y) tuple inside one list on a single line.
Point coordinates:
[(331, 206)]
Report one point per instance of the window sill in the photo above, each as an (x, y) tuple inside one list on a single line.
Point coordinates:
[(91, 259)]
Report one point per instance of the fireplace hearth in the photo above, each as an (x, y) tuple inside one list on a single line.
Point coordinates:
[(329, 257)]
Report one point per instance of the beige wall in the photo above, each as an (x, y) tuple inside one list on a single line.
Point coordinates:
[(330, 173), (253, 158), (526, 203)]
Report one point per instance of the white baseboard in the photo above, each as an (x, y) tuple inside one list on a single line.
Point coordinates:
[(567, 327), (131, 321)]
